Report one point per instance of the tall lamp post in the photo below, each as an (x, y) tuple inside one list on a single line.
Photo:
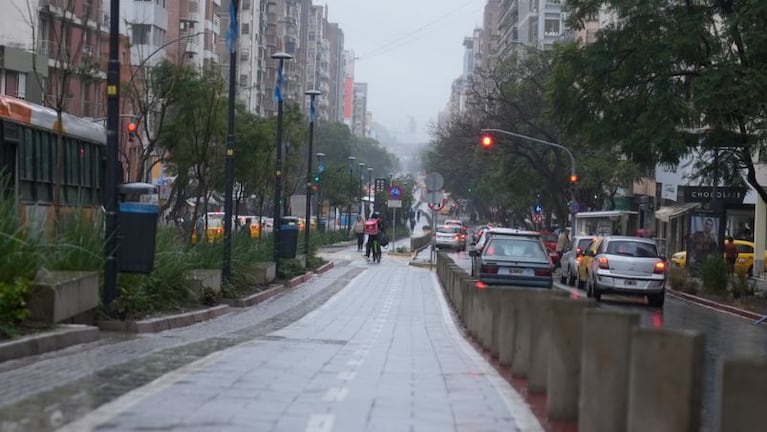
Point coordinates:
[(280, 57), (320, 196), (362, 203), (308, 219), (349, 207), (573, 176), (231, 42), (370, 188)]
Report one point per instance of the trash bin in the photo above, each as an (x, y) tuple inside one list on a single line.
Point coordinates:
[(137, 228), (288, 237), (323, 224)]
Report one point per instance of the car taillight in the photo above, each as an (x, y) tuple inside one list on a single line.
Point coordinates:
[(578, 251), (660, 267), (492, 268), (578, 259), (603, 263), (542, 272)]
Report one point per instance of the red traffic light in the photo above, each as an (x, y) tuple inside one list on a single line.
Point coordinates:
[(573, 178), (131, 127), (487, 141)]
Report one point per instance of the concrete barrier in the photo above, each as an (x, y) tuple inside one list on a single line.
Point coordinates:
[(540, 335), (743, 382), (604, 379), (59, 295), (495, 294), (485, 318), (506, 323), (527, 309), (665, 380), (565, 358)]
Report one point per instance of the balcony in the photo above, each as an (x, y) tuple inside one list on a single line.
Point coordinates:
[(192, 47)]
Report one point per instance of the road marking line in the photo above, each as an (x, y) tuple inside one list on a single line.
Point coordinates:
[(517, 406), (346, 375), (335, 394), (320, 423), (354, 362)]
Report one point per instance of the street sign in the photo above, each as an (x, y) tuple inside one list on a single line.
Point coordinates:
[(436, 206), (538, 218), (574, 207), (395, 192), (394, 203), (381, 184), (434, 181)]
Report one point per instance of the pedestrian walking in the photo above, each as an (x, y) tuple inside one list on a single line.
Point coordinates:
[(730, 255), (358, 230), (563, 242), (418, 216)]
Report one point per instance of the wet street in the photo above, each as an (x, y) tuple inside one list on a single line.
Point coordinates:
[(726, 335), (360, 347)]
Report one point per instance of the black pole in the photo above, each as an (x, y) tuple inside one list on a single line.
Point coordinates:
[(278, 170), (349, 206), (307, 225), (362, 203), (113, 142), (226, 271)]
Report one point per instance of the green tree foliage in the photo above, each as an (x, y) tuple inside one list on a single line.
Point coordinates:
[(668, 80)]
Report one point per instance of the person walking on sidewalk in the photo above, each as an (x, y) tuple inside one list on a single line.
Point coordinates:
[(730, 255), (358, 229)]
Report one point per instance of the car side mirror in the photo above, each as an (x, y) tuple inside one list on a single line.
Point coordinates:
[(473, 253)]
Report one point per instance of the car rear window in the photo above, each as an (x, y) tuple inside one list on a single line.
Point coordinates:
[(549, 237), (632, 248), (516, 248), (448, 230), (583, 243)]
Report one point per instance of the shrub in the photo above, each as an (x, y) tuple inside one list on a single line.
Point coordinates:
[(77, 243), (13, 308), (714, 274), (677, 278)]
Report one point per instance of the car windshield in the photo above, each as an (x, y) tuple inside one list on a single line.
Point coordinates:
[(515, 248), (215, 223), (632, 248), (448, 230)]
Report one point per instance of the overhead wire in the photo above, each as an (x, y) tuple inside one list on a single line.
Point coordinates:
[(408, 37)]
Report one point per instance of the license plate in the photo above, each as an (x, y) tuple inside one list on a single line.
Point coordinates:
[(629, 282), (520, 271)]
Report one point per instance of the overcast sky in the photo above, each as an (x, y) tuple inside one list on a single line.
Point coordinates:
[(410, 52)]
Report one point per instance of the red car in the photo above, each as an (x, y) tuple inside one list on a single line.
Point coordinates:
[(550, 242)]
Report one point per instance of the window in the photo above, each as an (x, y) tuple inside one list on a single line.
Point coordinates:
[(141, 33), (632, 248), (245, 4), (245, 28), (194, 7), (158, 36), (551, 27)]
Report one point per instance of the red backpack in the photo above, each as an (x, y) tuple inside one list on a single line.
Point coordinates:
[(371, 226)]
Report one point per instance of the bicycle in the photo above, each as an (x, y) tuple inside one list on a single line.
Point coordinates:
[(375, 250)]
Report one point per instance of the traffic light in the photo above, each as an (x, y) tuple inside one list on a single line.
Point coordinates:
[(573, 179), (487, 141), (316, 178), (131, 131)]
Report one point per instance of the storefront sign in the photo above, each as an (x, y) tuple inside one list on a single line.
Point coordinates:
[(727, 195)]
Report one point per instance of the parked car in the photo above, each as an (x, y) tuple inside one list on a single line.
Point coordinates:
[(450, 237), (490, 232), (626, 265), (743, 265), (550, 242), (569, 262), (518, 259)]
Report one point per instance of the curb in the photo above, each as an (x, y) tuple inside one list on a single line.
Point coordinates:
[(262, 296), (62, 337), (714, 305), (156, 325), (325, 267)]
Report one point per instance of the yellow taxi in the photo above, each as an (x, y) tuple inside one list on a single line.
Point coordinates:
[(585, 262), (254, 225), (744, 264)]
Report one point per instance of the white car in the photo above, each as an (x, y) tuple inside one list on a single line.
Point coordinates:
[(568, 272), (627, 265)]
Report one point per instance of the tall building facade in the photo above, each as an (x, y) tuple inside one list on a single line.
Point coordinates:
[(336, 68), (359, 109)]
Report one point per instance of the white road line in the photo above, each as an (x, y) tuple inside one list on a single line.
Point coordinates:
[(110, 410), (346, 375), (354, 362), (335, 394), (320, 423), (518, 408)]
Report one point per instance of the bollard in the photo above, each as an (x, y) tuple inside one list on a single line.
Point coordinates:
[(565, 358), (467, 290), (458, 293), (495, 318), (605, 364), (540, 335), (520, 360), (665, 380), (743, 382), (506, 324)]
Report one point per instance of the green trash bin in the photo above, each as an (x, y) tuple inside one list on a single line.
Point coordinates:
[(137, 229), (288, 237)]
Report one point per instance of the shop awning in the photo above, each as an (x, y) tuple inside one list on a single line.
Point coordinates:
[(667, 213)]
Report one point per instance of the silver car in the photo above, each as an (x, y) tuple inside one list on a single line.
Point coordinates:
[(627, 265), (518, 259), (569, 261), (450, 237)]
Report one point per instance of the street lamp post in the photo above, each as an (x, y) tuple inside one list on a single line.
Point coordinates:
[(312, 114), (362, 204), (320, 195), (559, 146), (280, 57), (349, 206), (370, 188), (226, 271)]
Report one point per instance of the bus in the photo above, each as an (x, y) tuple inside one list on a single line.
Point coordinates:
[(28, 158)]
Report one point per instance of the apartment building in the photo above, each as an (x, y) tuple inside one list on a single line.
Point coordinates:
[(336, 69), (359, 109), (193, 30)]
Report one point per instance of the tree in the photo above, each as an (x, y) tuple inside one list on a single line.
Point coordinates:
[(670, 79)]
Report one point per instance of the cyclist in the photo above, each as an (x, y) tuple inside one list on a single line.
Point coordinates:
[(374, 228)]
